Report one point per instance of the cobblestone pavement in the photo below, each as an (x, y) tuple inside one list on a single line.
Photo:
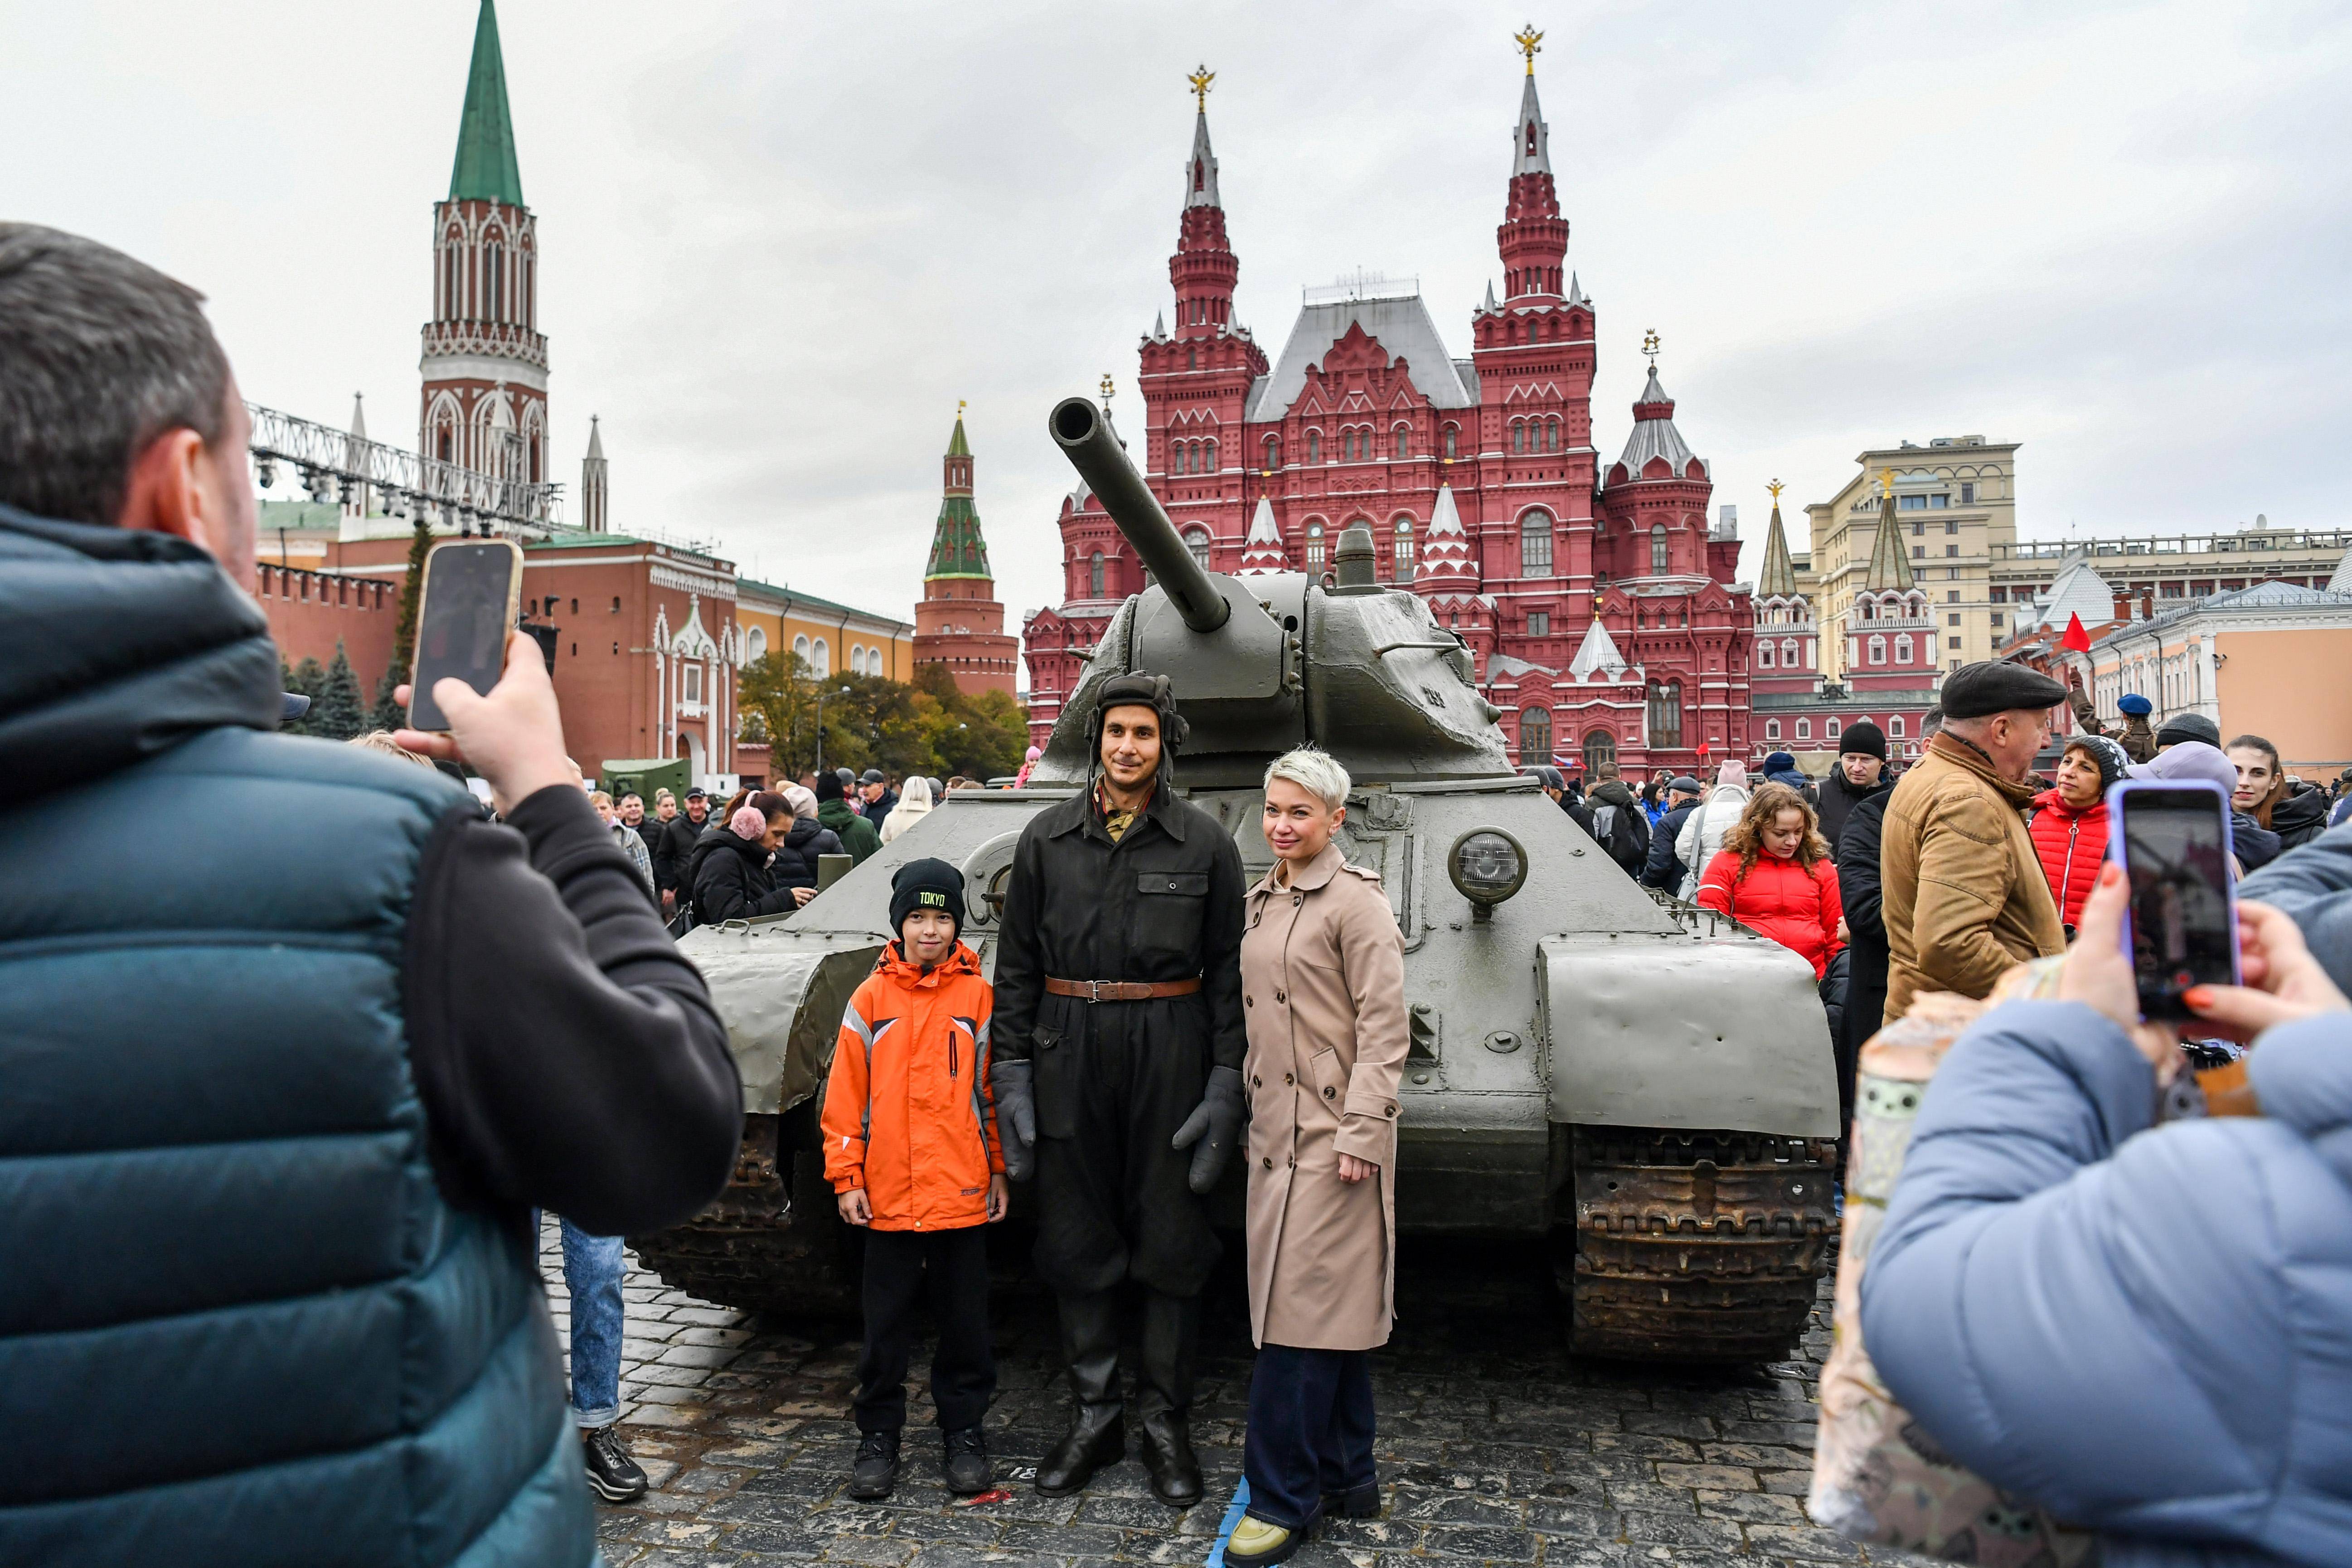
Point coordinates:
[(1495, 1445)]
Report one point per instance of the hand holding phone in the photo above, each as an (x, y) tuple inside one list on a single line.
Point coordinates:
[(2098, 972), (472, 598), (512, 738), (2172, 839)]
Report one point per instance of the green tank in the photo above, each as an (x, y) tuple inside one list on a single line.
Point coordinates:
[(1643, 1087)]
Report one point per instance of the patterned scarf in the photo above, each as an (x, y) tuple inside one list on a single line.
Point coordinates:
[(1116, 821)]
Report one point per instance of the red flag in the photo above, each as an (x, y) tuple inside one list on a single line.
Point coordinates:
[(2075, 637)]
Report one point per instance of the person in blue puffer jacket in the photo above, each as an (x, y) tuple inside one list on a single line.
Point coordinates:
[(2145, 1330)]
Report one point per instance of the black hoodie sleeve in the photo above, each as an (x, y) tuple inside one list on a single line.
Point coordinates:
[(569, 1057)]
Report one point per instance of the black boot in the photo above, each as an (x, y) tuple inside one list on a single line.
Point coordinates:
[(1163, 1397), (1098, 1434)]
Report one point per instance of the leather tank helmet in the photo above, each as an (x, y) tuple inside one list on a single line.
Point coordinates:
[(1138, 690)]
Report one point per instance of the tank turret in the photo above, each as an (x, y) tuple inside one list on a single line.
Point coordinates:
[(1277, 661)]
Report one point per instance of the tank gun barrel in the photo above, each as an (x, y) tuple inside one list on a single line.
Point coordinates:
[(1084, 434)]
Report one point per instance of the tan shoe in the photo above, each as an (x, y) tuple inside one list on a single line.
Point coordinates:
[(1255, 1541)]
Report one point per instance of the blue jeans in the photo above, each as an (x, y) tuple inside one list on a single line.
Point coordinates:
[(592, 1266), (1309, 1433)]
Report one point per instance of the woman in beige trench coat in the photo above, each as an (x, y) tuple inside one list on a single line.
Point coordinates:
[(1323, 995)]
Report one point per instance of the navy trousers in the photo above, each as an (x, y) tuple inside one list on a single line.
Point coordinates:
[(1310, 1431)]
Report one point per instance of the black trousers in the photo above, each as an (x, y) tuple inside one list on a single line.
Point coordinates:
[(1310, 1431), (951, 1267)]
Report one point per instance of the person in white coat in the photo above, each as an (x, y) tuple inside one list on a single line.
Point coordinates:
[(1703, 829), (914, 805)]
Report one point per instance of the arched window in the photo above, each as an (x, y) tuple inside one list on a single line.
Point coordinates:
[(1315, 446), (821, 656), (1095, 575), (1192, 359), (1404, 550), (1830, 728), (1804, 729), (1518, 435), (1902, 648), (1771, 729), (1209, 456), (493, 269), (1895, 725), (1763, 656), (1878, 650), (1658, 549), (1535, 543), (1273, 452), (1599, 746), (1314, 547), (1196, 541), (755, 645), (1535, 737), (1788, 652), (1552, 435), (1404, 441), (1665, 714), (801, 650), (857, 661), (1451, 432)]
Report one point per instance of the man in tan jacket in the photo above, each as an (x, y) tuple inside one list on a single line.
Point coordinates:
[(1965, 897)]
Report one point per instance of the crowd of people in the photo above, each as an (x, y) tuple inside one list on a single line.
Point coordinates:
[(293, 1073)]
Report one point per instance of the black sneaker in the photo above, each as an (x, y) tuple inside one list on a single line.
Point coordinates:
[(876, 1470), (611, 1474), (965, 1459)]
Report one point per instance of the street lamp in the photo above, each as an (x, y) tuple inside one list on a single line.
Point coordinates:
[(820, 726)]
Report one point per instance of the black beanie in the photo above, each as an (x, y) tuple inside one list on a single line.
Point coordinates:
[(926, 885), (2187, 726), (1865, 738), (828, 785)]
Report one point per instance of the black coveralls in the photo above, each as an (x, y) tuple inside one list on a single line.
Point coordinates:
[(1114, 1081)]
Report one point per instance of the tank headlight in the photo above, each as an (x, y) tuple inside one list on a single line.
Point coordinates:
[(1487, 866)]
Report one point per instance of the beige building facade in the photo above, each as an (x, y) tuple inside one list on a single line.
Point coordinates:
[(1956, 504)]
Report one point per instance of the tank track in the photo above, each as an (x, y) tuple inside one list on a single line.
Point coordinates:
[(755, 1247), (1696, 1246)]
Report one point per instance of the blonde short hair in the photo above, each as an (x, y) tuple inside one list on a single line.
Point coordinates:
[(1315, 771), (598, 797), (381, 740)]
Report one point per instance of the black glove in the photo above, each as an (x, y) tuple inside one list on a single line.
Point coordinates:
[(1213, 1125), (1016, 1116)]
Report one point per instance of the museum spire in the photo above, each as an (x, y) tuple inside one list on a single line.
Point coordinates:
[(1779, 579), (1203, 269), (1533, 237)]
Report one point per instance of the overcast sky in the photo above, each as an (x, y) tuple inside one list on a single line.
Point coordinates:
[(781, 242)]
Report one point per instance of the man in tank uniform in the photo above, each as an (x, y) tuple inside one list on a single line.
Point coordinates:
[(1119, 1041)]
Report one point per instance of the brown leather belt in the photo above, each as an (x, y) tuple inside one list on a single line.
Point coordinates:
[(1122, 990)]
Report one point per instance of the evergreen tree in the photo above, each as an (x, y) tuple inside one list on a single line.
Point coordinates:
[(307, 679), (412, 590), (386, 713), (338, 714)]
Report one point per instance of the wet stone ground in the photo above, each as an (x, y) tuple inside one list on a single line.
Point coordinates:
[(1495, 1445)]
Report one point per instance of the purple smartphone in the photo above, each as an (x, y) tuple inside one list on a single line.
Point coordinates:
[(2172, 839)]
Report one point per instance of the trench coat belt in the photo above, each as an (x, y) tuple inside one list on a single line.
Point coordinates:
[(1122, 990)]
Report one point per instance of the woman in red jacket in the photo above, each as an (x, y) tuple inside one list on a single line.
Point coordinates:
[(1774, 876), (2070, 822)]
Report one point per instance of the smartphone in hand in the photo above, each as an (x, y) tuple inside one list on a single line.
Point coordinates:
[(2172, 840), (473, 595)]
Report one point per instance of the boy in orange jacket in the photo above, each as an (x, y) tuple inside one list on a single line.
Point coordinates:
[(911, 1150)]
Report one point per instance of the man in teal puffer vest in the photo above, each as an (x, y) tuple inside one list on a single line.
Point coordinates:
[(291, 1040)]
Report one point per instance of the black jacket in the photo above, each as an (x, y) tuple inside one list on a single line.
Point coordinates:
[(2301, 817), (1164, 903), (1862, 892), (2257, 846), (1837, 803), (1628, 839), (733, 882), (1660, 870), (795, 864), (671, 842)]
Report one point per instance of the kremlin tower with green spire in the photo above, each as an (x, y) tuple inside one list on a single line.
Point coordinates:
[(959, 623), (484, 361)]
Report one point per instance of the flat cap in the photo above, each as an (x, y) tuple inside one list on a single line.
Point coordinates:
[(2187, 726), (1990, 686), (2137, 705), (1684, 784)]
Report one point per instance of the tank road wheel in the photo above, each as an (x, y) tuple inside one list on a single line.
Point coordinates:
[(765, 1245), (1696, 1246)]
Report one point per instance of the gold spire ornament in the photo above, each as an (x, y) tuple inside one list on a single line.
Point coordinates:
[(1650, 347), (1200, 77), (1776, 487), (1107, 389), (959, 408), (1530, 42), (1886, 481)]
